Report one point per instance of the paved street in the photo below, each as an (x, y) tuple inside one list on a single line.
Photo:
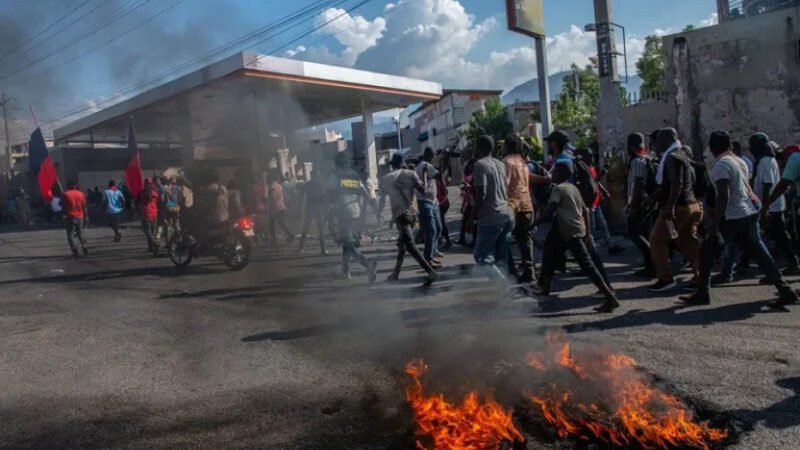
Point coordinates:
[(122, 350)]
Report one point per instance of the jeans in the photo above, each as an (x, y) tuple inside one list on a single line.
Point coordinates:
[(581, 253), (492, 246), (599, 225), (777, 231), (315, 214), (445, 233), (113, 222), (638, 228), (278, 218), (746, 233), (687, 219), (405, 244), (347, 228), (429, 217), (149, 228), (522, 236), (75, 229)]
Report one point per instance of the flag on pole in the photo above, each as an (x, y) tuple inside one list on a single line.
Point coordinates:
[(133, 173), (40, 163)]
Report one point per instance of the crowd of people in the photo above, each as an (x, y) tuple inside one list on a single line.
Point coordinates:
[(686, 209)]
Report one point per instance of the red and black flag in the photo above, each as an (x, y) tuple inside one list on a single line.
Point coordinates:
[(133, 173), (40, 163)]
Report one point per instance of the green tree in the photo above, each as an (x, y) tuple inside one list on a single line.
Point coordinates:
[(491, 120), (689, 28), (576, 107), (650, 66)]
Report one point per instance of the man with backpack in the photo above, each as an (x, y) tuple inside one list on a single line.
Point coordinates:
[(641, 170), (680, 213)]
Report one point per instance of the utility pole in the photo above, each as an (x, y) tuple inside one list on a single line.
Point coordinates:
[(7, 159), (544, 85), (609, 114)]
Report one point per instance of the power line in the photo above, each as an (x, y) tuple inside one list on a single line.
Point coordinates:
[(61, 64), (67, 26), (119, 14), (299, 15), (27, 41)]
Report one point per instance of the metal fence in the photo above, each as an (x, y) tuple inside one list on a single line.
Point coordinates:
[(738, 9)]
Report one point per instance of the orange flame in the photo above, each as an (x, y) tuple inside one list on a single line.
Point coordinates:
[(612, 402), (447, 426)]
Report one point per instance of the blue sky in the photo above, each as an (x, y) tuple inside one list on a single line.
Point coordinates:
[(460, 43)]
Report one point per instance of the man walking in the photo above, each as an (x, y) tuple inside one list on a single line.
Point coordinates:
[(349, 195), (428, 208), (736, 216), (114, 203), (494, 219), (276, 214), (566, 205), (521, 205), (680, 213), (148, 208), (401, 186), (315, 204), (73, 202), (637, 216)]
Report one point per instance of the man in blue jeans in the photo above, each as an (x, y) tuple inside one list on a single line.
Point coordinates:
[(494, 219), (429, 207)]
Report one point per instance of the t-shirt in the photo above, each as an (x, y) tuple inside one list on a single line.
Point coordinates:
[(491, 175), (276, 201), (401, 186), (430, 189), (792, 171), (115, 201), (519, 193), (74, 203), (55, 205), (348, 190), (637, 171), (734, 169), (569, 210), (149, 207), (769, 173)]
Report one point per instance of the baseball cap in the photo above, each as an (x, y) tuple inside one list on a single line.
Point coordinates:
[(759, 138), (560, 137)]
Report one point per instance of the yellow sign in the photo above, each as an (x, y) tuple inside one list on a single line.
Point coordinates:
[(526, 17)]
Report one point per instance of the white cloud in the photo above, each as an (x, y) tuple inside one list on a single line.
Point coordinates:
[(354, 33), (712, 19), (295, 51)]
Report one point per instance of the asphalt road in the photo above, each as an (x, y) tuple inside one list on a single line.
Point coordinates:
[(122, 350)]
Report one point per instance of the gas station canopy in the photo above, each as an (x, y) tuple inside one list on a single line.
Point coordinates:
[(247, 93)]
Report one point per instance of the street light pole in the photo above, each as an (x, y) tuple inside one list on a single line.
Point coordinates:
[(544, 86), (609, 114)]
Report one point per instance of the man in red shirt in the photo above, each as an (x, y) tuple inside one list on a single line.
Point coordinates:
[(148, 205), (73, 201)]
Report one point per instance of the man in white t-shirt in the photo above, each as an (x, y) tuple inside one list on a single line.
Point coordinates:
[(736, 215), (767, 176)]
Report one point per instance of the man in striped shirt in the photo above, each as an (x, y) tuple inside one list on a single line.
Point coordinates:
[(638, 228)]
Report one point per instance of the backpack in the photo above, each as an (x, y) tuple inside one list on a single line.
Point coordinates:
[(539, 192), (585, 183), (650, 184)]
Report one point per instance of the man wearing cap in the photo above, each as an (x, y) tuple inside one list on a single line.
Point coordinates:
[(491, 205), (559, 148)]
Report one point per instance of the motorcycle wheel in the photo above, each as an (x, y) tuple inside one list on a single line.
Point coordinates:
[(238, 254), (180, 252)]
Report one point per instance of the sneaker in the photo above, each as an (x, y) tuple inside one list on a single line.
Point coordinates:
[(372, 271), (698, 298), (435, 264), (721, 278), (432, 277), (661, 286), (608, 307)]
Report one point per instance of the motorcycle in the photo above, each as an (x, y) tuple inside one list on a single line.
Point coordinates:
[(233, 248)]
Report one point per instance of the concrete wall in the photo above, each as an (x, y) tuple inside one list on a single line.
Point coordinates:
[(646, 117), (742, 76)]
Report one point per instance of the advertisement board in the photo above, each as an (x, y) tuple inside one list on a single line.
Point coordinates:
[(526, 17)]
